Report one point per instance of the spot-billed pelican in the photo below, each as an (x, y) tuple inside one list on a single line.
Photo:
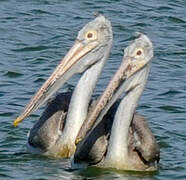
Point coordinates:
[(126, 142), (56, 136)]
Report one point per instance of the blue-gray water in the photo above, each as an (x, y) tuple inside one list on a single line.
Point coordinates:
[(36, 34)]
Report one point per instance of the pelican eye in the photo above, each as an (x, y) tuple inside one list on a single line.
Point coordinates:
[(91, 35), (139, 52)]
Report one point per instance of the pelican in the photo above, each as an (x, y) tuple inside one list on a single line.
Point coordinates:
[(52, 134), (124, 141)]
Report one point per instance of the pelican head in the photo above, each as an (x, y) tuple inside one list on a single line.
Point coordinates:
[(137, 55), (89, 48)]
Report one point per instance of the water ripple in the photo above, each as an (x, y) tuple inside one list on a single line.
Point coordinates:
[(11, 74)]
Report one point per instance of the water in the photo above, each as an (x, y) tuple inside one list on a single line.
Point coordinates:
[(36, 34)]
